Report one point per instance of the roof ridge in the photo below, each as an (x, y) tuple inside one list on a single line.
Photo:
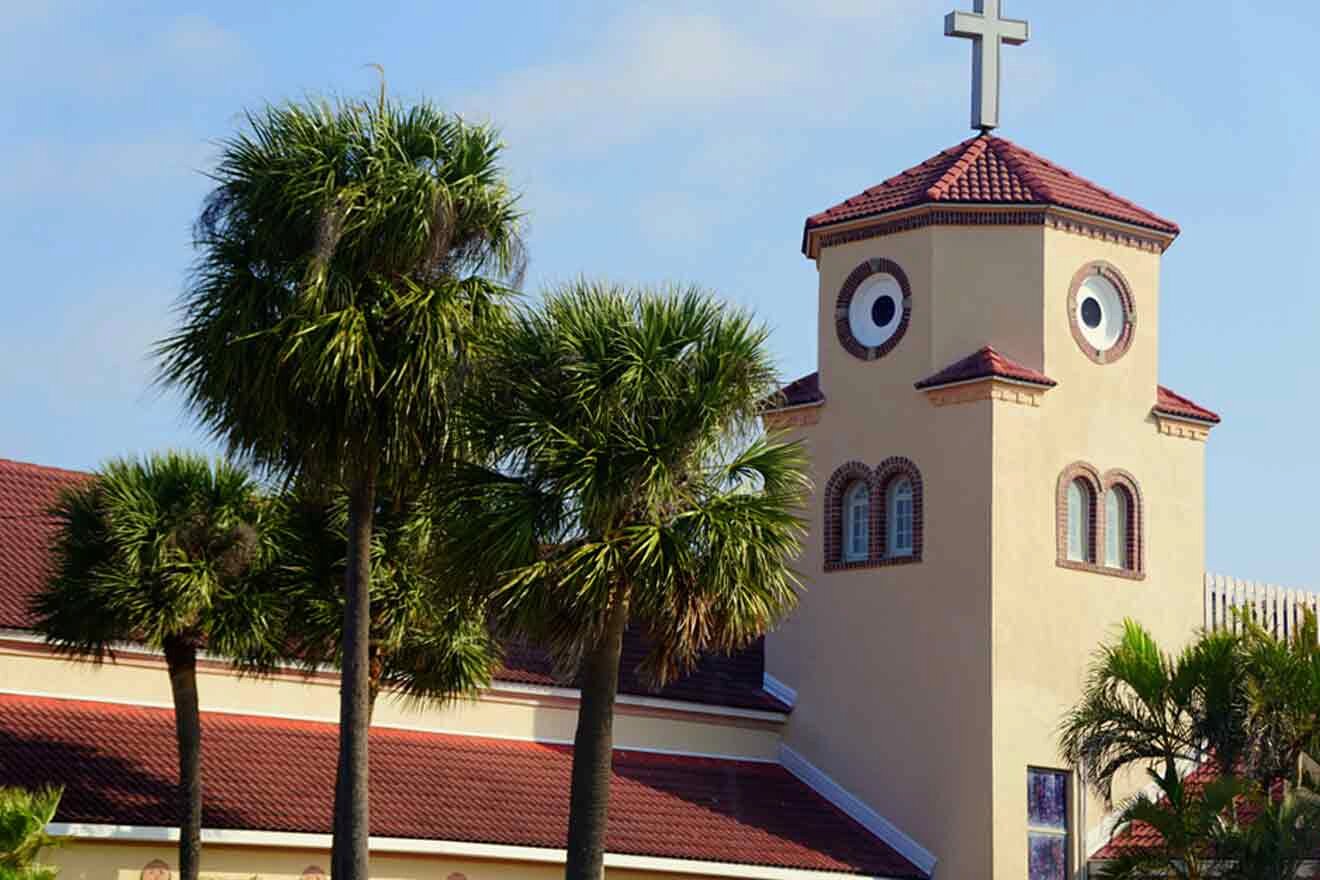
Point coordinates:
[(971, 151), (32, 465)]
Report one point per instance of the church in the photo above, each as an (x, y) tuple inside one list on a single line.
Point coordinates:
[(1000, 478)]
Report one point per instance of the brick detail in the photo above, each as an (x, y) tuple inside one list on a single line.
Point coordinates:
[(989, 388), (924, 217), (786, 419), (850, 343), (1176, 427), (1097, 485), (886, 473), (835, 489), (879, 479), (1114, 277)]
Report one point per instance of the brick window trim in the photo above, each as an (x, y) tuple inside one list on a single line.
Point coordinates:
[(850, 343), (879, 479), (1110, 273), (1098, 484)]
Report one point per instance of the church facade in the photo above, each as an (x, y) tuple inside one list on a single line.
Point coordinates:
[(1000, 479)]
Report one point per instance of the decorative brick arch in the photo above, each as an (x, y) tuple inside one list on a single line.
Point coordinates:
[(886, 473), (1121, 480), (846, 475), (1090, 477), (850, 343)]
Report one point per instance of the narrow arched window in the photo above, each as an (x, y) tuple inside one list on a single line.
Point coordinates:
[(899, 518), (1079, 521), (856, 522), (1118, 528)]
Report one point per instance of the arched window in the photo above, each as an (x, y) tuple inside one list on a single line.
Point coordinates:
[(899, 510), (1118, 528), (857, 522), (1079, 521)]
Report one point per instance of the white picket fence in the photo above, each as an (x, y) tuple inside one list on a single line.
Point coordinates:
[(1279, 609)]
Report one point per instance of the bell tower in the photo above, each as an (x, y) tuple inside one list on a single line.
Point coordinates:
[(1000, 480)]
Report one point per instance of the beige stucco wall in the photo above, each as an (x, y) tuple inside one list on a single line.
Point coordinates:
[(27, 668), (928, 690), (1049, 620), (95, 860)]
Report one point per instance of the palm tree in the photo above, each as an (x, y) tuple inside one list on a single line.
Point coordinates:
[(163, 551), (1144, 707), (1282, 683), (347, 255), (24, 816), (629, 491)]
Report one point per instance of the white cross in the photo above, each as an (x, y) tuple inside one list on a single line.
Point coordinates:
[(987, 31)]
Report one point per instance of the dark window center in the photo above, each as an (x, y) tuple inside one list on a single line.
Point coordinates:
[(883, 311), (1091, 313)]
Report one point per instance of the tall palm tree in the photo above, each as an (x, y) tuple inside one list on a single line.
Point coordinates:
[(630, 491), (347, 255), (24, 816), (164, 551)]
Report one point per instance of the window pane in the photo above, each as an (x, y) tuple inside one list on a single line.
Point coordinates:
[(1047, 799), (1079, 526), (1116, 529), (857, 515), (900, 518), (1047, 857)]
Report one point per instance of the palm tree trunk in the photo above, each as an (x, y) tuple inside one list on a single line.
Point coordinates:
[(593, 750), (181, 659), (339, 783), (352, 815)]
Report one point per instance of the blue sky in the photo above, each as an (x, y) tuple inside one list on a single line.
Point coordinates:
[(681, 141)]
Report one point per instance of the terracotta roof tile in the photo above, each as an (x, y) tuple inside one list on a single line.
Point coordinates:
[(982, 364), (28, 490), (988, 170), (118, 765), (1169, 403), (799, 392)]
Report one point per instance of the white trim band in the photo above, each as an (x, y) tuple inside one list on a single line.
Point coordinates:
[(452, 848), (850, 804), (777, 689)]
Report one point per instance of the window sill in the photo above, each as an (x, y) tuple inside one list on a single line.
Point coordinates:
[(1126, 574), (888, 562)]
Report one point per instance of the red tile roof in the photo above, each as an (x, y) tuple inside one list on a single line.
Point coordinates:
[(28, 490), (988, 170), (982, 364), (118, 765), (799, 392), (26, 493), (1171, 404)]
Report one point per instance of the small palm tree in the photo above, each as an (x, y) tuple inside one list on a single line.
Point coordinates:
[(1146, 708), (164, 551), (1282, 683), (630, 491), (24, 816), (348, 255), (1191, 823)]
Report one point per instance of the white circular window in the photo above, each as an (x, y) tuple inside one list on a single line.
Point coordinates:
[(876, 310), (1101, 312)]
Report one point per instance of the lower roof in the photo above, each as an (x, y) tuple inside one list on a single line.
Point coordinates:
[(27, 492), (118, 765)]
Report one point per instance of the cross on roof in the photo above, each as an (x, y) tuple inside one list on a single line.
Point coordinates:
[(988, 31)]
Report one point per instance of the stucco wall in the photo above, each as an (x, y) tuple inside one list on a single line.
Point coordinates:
[(1048, 620), (892, 664)]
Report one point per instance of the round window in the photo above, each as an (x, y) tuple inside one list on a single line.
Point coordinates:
[(873, 309), (1100, 311)]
